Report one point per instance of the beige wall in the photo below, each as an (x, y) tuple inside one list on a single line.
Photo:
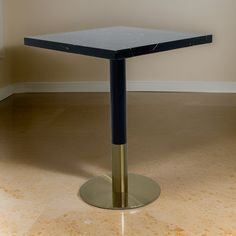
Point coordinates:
[(4, 76), (2, 79), (1, 74), (207, 62)]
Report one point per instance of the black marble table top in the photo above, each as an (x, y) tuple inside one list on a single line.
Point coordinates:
[(117, 42)]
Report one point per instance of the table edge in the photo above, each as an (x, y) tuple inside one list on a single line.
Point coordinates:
[(118, 54)]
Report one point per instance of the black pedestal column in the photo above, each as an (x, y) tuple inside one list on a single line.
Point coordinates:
[(119, 190)]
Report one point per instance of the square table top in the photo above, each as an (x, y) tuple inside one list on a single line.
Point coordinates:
[(117, 42)]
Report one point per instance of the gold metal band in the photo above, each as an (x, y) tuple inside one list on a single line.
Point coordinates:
[(119, 175)]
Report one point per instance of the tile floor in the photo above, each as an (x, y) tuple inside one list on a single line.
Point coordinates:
[(50, 144)]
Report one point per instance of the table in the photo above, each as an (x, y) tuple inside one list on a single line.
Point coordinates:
[(119, 190)]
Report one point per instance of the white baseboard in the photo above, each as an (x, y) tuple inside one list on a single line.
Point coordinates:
[(183, 86), (58, 87), (103, 86), (6, 92)]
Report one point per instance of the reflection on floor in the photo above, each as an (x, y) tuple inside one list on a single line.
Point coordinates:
[(50, 144)]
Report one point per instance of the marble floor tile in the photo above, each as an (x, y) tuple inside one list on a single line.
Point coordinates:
[(50, 144)]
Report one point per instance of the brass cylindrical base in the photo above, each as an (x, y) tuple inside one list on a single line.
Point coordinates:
[(120, 190), (98, 192)]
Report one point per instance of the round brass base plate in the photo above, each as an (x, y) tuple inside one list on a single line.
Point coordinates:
[(141, 191)]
